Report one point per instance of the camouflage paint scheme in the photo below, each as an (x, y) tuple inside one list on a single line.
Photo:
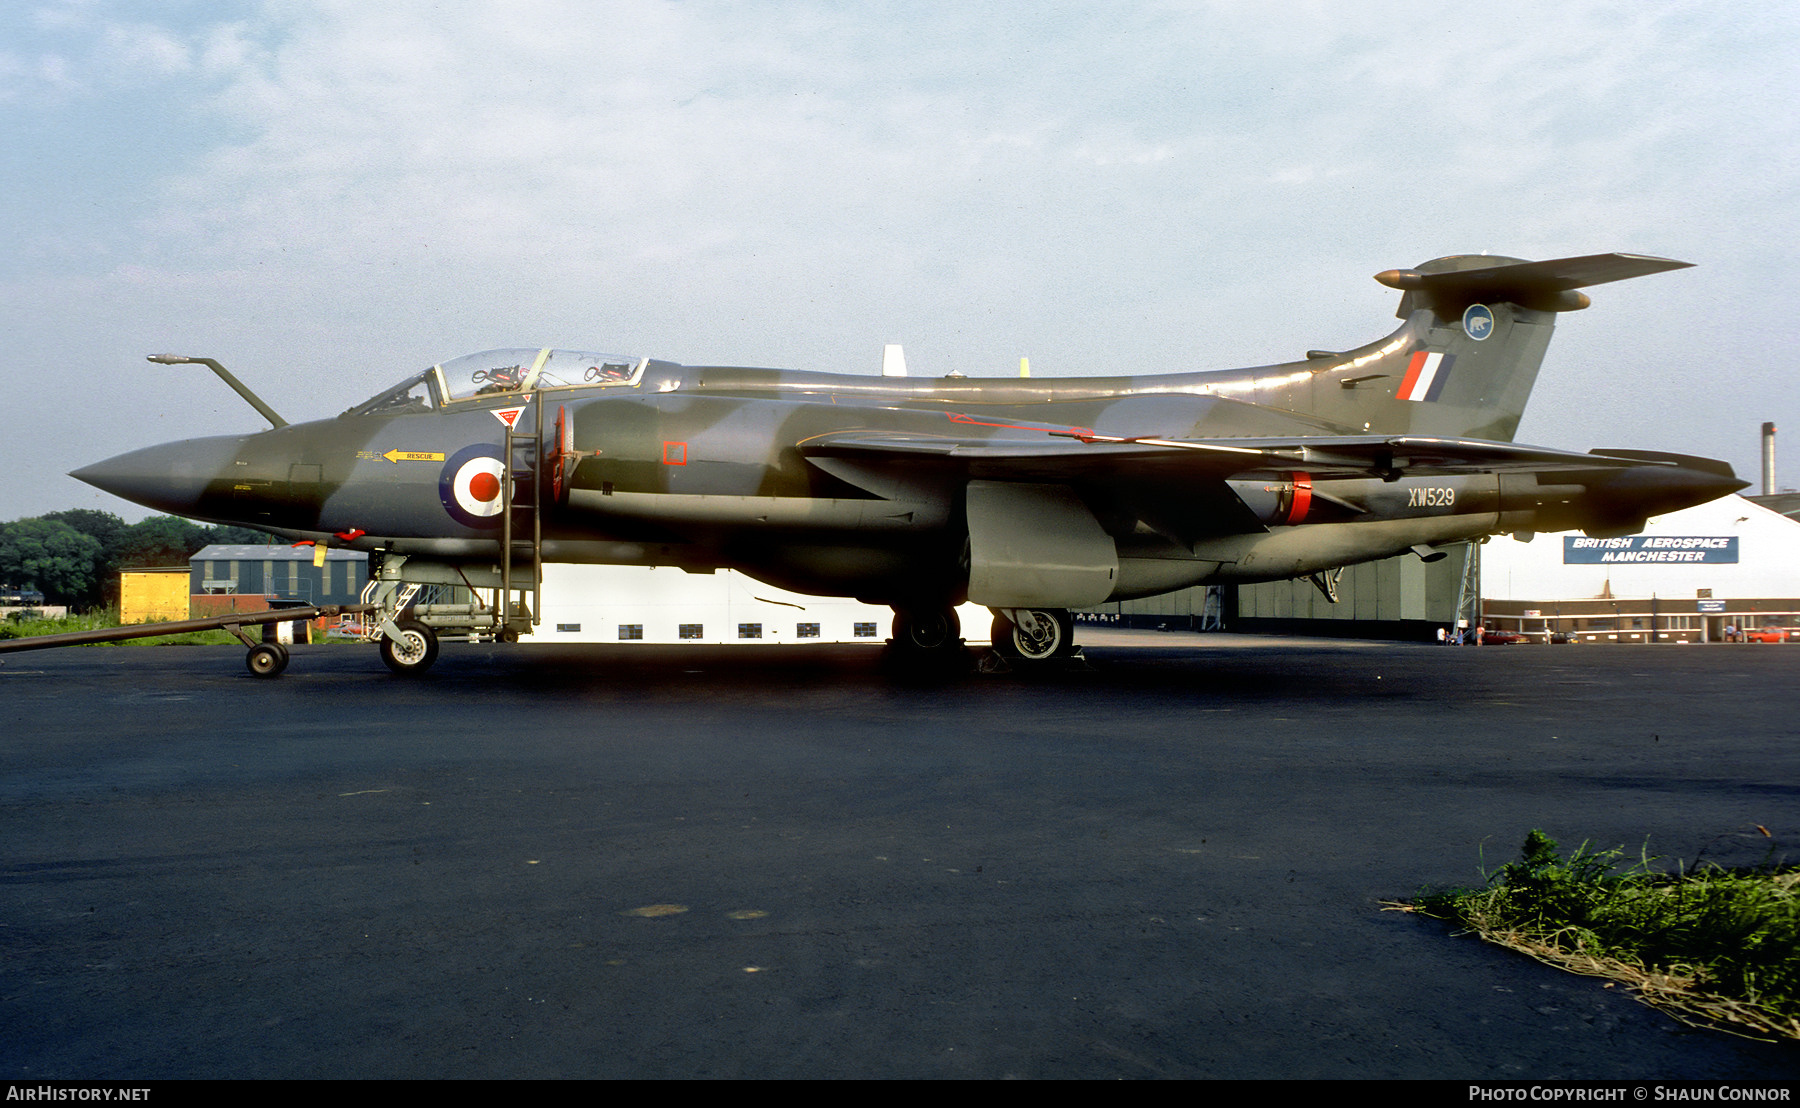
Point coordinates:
[(1025, 495)]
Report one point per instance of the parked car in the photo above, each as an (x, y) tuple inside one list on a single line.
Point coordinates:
[(1772, 634), (1492, 637)]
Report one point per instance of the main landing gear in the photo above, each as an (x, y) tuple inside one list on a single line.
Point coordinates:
[(927, 638), (1024, 638), (927, 630), (1034, 635)]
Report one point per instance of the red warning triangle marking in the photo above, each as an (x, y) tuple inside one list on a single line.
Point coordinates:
[(508, 416)]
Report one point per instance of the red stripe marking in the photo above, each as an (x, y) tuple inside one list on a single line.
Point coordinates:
[(1413, 369), (971, 421)]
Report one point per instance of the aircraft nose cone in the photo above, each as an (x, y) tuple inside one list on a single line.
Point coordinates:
[(171, 478)]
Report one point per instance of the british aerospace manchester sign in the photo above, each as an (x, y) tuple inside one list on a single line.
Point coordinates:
[(1685, 549)]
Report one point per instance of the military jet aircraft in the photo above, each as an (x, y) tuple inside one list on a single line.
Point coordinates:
[(1028, 496)]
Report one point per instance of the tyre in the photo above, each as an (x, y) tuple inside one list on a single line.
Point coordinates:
[(414, 651), (1053, 636), (267, 659), (927, 631)]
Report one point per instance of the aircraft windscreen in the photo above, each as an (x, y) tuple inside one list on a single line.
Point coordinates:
[(411, 395)]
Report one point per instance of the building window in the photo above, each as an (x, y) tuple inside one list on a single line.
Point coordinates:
[(693, 630), (749, 630), (806, 630), (630, 631), (863, 630)]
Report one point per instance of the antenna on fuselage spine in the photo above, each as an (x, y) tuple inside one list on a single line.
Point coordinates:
[(893, 360)]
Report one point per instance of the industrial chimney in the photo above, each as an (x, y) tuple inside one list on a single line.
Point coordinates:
[(1768, 459)]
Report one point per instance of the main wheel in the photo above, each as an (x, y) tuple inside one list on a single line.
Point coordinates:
[(414, 651), (927, 631), (267, 659), (1050, 635)]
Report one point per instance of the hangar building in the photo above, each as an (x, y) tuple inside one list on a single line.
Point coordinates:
[(285, 573), (1692, 576)]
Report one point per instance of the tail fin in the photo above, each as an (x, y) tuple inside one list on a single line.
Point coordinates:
[(1464, 363)]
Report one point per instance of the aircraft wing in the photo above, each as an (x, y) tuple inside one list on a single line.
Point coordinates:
[(1076, 455), (1181, 487)]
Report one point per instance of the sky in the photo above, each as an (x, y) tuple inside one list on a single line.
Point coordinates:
[(327, 196)]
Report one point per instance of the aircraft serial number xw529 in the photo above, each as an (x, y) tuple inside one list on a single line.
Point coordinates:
[(1027, 496)]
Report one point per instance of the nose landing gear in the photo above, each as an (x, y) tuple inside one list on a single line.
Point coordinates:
[(410, 648)]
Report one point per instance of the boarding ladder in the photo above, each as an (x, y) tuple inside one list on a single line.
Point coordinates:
[(521, 527), (387, 599), (1212, 609), (1468, 594)]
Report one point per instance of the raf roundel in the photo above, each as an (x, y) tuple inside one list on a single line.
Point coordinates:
[(470, 486)]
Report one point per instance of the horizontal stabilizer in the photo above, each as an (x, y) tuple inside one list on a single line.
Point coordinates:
[(1448, 285)]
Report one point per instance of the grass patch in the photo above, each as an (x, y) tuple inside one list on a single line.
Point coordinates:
[(26, 624), (14, 627), (1710, 946)]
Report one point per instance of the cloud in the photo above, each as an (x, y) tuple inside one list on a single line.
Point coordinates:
[(358, 188)]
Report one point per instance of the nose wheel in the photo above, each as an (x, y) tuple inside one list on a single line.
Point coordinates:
[(412, 650)]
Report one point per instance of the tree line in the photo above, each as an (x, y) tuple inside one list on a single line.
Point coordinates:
[(74, 557)]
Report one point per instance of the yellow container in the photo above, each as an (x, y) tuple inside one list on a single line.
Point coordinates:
[(153, 595)]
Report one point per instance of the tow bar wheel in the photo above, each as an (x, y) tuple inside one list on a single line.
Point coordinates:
[(415, 649), (267, 659)]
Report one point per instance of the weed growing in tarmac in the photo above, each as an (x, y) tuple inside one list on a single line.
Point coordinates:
[(1709, 946)]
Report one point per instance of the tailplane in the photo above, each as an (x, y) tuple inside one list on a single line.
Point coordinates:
[(1464, 363)]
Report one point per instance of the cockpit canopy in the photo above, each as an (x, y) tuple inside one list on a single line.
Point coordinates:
[(495, 372)]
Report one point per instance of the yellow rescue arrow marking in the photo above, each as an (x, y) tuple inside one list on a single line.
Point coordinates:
[(398, 456)]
